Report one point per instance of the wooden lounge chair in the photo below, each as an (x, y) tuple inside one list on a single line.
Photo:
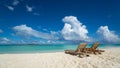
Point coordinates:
[(79, 51), (94, 49)]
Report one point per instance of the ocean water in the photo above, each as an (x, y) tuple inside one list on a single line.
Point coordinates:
[(42, 48)]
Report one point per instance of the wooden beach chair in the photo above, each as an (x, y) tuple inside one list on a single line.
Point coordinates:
[(79, 51), (94, 49)]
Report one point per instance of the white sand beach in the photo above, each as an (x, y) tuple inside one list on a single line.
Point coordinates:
[(109, 59)]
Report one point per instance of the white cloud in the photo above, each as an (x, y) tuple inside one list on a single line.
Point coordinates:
[(107, 35), (26, 31), (15, 3), (4, 40), (29, 8), (74, 29), (1, 31), (10, 8)]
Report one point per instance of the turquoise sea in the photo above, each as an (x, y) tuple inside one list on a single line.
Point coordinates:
[(42, 48)]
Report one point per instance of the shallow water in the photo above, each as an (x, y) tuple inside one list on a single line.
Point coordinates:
[(41, 48)]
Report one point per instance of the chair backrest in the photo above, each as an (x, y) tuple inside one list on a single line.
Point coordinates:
[(81, 47), (95, 45)]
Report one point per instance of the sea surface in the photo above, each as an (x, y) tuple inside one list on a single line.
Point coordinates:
[(43, 48)]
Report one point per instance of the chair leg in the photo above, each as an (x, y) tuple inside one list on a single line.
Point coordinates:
[(94, 53), (86, 54), (80, 56), (99, 52)]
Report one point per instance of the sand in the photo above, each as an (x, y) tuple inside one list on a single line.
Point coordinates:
[(109, 59)]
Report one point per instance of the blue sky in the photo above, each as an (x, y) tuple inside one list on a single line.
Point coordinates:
[(59, 21)]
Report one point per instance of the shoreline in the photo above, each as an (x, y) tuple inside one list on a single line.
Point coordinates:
[(56, 51)]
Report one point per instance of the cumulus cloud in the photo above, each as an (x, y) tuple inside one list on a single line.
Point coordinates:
[(74, 29), (29, 8), (26, 31), (4, 40), (10, 8), (107, 35)]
